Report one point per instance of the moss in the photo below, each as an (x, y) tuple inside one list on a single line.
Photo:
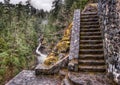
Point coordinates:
[(51, 59), (3, 44), (62, 46)]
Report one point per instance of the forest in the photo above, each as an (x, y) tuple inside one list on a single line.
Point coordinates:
[(22, 25)]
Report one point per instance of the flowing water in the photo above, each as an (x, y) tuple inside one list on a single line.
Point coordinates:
[(41, 57)]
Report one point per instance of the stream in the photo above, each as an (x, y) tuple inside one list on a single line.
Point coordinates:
[(41, 57)]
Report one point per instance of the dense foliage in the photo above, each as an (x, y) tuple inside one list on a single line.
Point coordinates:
[(59, 18), (63, 10), (17, 40), (21, 26)]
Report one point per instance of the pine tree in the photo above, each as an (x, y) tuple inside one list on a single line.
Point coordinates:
[(56, 7)]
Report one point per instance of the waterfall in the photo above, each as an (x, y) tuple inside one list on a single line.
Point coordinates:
[(41, 58)]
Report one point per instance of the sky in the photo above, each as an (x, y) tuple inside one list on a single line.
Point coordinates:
[(38, 4)]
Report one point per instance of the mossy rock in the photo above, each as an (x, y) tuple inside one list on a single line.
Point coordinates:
[(51, 59)]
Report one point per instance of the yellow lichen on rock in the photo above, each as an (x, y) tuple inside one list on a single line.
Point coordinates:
[(62, 46), (51, 59), (93, 4), (67, 32)]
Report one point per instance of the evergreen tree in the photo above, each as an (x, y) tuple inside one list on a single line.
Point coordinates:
[(56, 7), (6, 1)]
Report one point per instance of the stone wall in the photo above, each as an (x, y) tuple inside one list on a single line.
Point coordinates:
[(109, 11), (74, 42)]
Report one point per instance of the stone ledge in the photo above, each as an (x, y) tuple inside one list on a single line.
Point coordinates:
[(74, 42), (27, 77), (43, 69)]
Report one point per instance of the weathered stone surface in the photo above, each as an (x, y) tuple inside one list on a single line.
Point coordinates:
[(75, 36), (63, 72), (27, 77), (89, 79), (74, 43), (73, 65), (66, 81), (43, 69), (109, 11)]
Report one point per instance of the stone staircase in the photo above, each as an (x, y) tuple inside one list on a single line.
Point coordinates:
[(89, 68), (91, 55), (91, 63)]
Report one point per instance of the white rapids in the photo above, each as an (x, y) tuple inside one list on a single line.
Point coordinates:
[(41, 58)]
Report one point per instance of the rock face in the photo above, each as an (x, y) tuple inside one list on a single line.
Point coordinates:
[(109, 11)]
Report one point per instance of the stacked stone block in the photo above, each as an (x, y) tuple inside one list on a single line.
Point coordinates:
[(109, 11)]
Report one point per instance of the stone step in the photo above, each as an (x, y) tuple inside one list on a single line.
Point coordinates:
[(90, 30), (91, 56), (89, 16), (91, 42), (89, 51), (89, 23), (85, 28), (89, 20), (91, 62), (89, 26), (90, 13), (90, 46), (92, 68), (90, 38), (90, 33)]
